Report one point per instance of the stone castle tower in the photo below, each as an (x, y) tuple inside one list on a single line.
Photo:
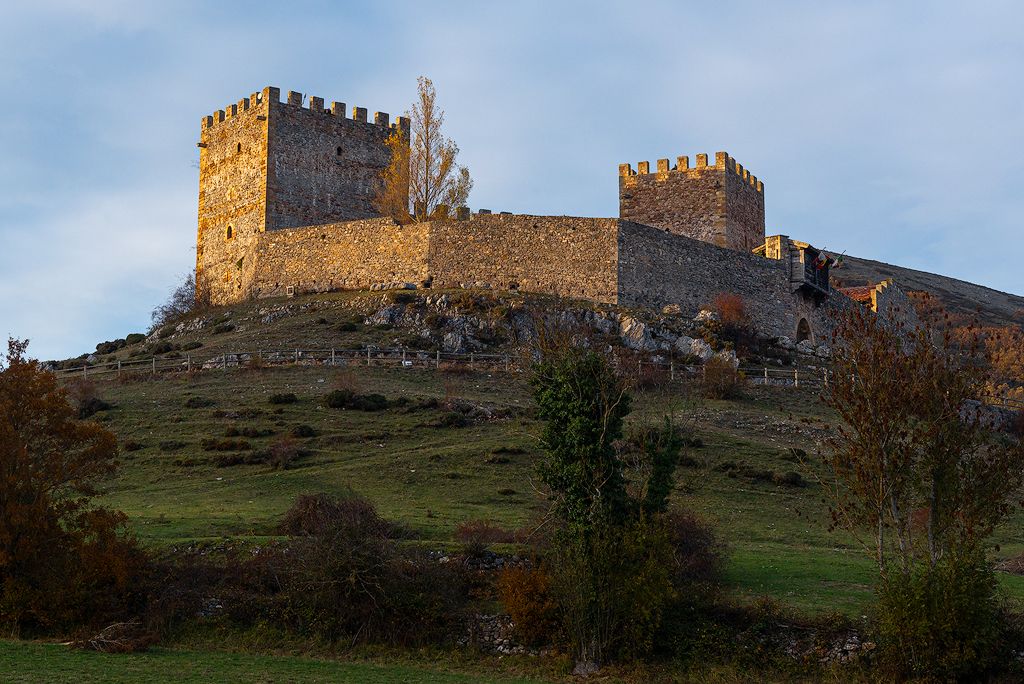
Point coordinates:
[(266, 165), (721, 204)]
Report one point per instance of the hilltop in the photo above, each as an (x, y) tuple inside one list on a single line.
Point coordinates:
[(991, 307), (454, 443)]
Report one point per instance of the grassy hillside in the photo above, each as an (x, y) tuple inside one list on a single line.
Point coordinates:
[(193, 447), (431, 473), (992, 307)]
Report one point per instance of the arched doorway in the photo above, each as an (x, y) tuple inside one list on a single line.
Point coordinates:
[(803, 331)]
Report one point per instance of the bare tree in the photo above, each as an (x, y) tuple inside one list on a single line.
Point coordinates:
[(423, 181), (183, 301)]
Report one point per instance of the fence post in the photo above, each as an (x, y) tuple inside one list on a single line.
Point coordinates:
[(332, 357), (296, 357), (672, 370), (85, 370), (367, 355), (119, 368), (470, 359), (403, 357), (224, 360), (437, 359), (766, 375), (796, 378), (154, 365)]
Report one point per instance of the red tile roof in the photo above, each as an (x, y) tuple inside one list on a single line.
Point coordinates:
[(860, 293)]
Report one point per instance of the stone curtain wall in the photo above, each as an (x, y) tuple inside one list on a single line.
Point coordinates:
[(232, 181), (721, 204), (559, 255), (658, 268), (323, 167), (355, 255)]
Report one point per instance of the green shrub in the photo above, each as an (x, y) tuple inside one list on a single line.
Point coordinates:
[(171, 445), (283, 398), (198, 402), (134, 338), (225, 445), (303, 431), (348, 326), (161, 348), (345, 398), (612, 589), (223, 328), (941, 623), (453, 419), (110, 347), (189, 346)]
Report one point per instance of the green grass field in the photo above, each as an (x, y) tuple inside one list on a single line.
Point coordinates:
[(34, 663), (432, 478)]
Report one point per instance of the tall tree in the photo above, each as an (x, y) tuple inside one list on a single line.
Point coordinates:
[(423, 179), (60, 556), (917, 471)]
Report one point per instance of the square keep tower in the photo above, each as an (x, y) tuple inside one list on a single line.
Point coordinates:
[(721, 204), (265, 164)]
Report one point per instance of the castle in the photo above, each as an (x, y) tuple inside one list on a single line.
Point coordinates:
[(286, 207)]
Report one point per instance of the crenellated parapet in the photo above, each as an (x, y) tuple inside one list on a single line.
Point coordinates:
[(663, 168), (719, 202), (271, 97)]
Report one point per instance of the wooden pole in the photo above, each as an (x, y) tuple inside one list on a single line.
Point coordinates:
[(796, 378), (437, 359)]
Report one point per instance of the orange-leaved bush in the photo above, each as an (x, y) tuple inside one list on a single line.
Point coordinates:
[(62, 560)]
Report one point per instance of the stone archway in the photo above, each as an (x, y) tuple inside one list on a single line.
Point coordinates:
[(803, 331)]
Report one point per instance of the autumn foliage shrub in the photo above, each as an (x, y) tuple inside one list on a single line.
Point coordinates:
[(526, 595), (721, 380), (63, 561)]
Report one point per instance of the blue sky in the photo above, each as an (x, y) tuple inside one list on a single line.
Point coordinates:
[(891, 130)]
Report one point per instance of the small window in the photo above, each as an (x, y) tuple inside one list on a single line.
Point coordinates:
[(338, 151), (239, 147), (231, 232)]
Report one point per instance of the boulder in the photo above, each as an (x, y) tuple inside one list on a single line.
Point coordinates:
[(705, 315), (672, 310), (805, 347), (635, 334), (785, 343), (684, 344), (701, 350), (453, 342)]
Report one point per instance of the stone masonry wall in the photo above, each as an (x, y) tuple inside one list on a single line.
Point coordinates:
[(355, 255), (560, 255), (722, 204), (232, 179), (658, 268), (322, 166)]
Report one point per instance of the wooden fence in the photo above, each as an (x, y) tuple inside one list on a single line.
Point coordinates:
[(655, 371)]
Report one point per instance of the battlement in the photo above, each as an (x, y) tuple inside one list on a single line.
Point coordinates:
[(723, 163), (271, 96)]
